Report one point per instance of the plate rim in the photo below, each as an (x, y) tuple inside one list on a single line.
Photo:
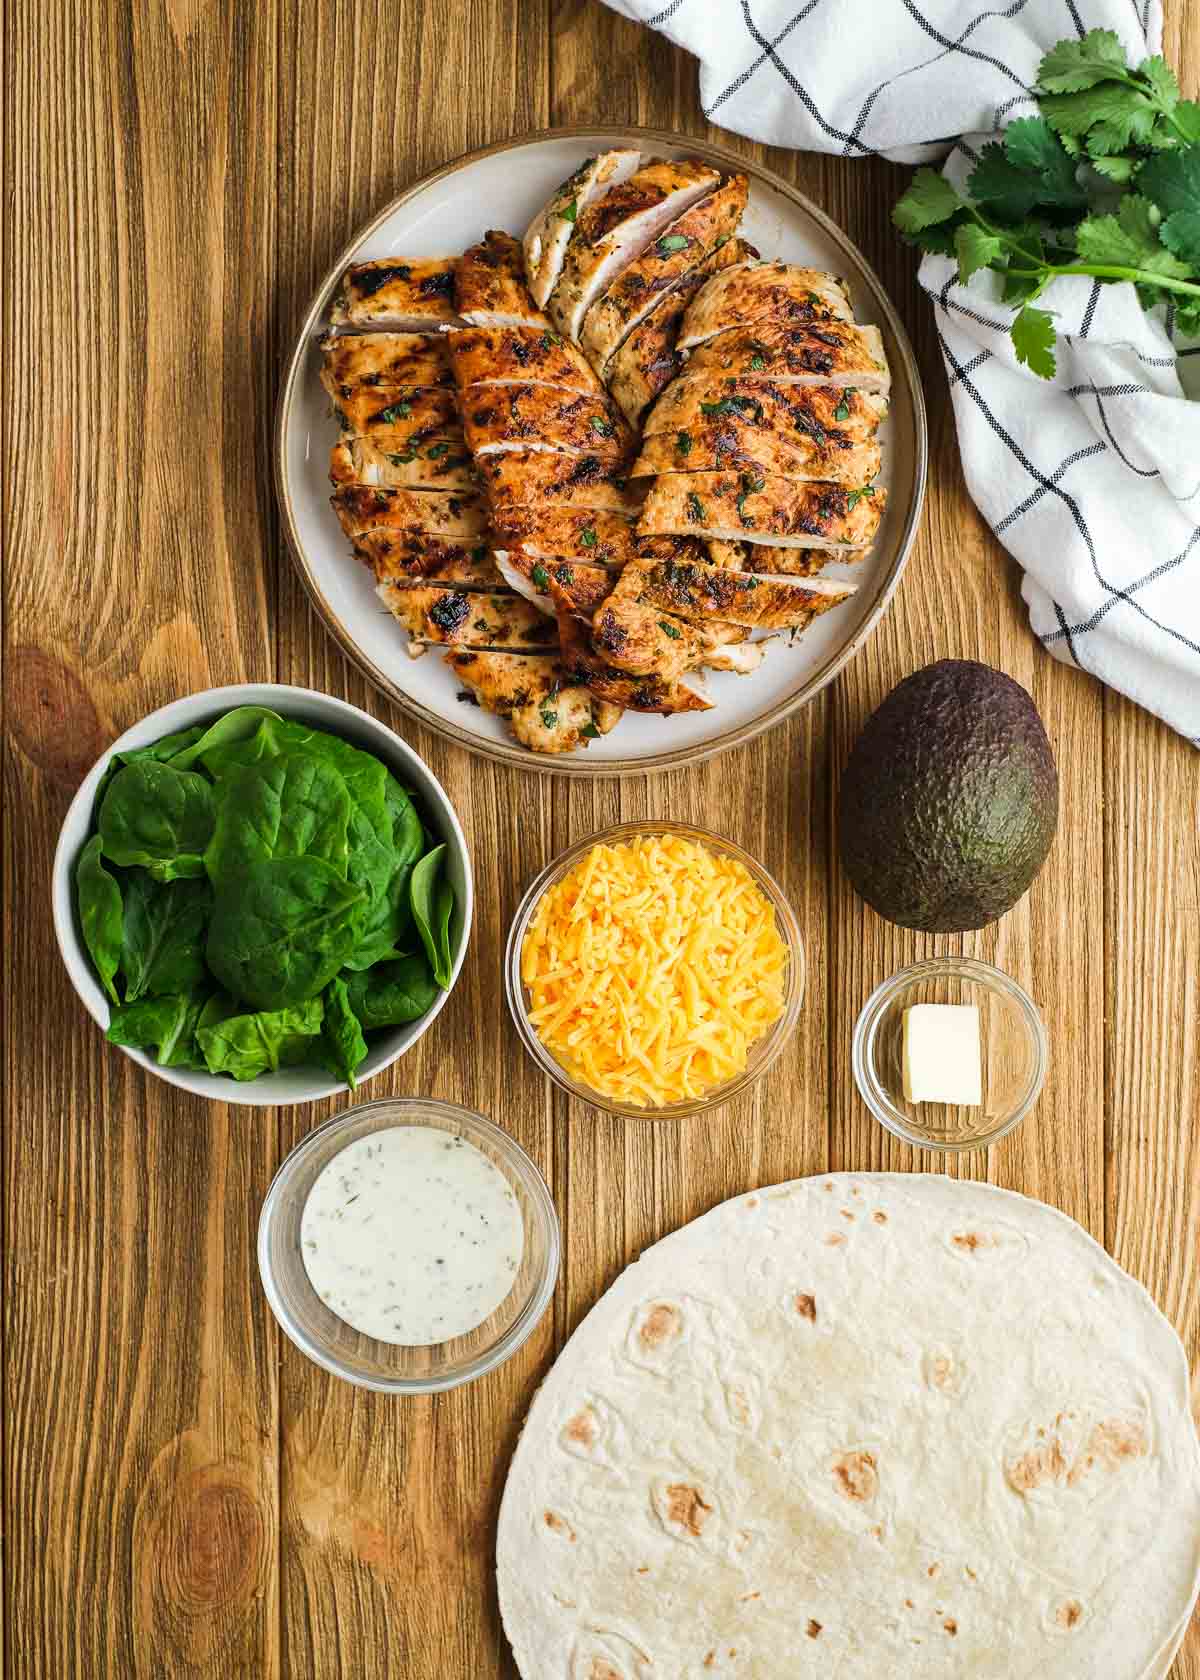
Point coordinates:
[(578, 764)]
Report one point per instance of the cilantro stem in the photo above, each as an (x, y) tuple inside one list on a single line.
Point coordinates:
[(1130, 78), (1106, 271)]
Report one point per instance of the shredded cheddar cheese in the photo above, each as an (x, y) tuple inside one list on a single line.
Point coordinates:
[(652, 968)]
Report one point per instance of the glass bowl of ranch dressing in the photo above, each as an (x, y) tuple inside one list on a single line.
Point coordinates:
[(408, 1245)]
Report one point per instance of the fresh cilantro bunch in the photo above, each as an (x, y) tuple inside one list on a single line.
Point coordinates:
[(1105, 182)]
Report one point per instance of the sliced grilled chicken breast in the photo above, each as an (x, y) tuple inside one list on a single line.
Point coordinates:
[(505, 417), (582, 664), (552, 229), (764, 510), (458, 618), (724, 648), (763, 291), (689, 240), (571, 718), (648, 361), (442, 462), (585, 587), (489, 285), (610, 233), (643, 640), (519, 356), (383, 361), (698, 591), (828, 417), (431, 513), (502, 682), (394, 419), (531, 481), (732, 444), (398, 557), (821, 353), (397, 294), (762, 558), (566, 533)]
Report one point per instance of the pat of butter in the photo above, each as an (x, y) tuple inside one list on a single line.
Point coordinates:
[(941, 1054)]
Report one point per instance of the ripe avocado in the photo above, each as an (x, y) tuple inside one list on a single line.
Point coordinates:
[(950, 799)]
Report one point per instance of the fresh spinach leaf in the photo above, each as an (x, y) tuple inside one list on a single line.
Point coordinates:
[(382, 867), (237, 725), (432, 902), (161, 751), (290, 806), (283, 929), (158, 818), (162, 946), (393, 993), (98, 898), (165, 1024), (248, 1045), (342, 1043)]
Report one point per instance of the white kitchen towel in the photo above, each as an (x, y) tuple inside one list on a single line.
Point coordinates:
[(1091, 481)]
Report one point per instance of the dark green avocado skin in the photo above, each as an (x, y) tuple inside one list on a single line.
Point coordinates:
[(949, 802)]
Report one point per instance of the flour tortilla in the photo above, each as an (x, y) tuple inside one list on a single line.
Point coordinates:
[(859, 1426)]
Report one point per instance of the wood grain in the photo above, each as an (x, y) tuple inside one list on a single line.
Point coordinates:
[(183, 1494)]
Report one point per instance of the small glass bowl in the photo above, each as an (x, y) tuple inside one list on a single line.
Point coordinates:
[(383, 1366), (1012, 1039), (762, 1054)]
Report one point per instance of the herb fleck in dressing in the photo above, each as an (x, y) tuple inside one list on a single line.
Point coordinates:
[(412, 1236)]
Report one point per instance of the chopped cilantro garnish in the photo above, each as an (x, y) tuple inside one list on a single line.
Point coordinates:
[(750, 487), (397, 411), (590, 732), (672, 242), (683, 442), (404, 459), (550, 719), (438, 450), (669, 629), (757, 362), (540, 577), (549, 339), (695, 507), (570, 210), (604, 427), (588, 537), (856, 496)]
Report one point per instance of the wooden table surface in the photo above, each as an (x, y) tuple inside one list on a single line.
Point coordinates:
[(183, 1494)]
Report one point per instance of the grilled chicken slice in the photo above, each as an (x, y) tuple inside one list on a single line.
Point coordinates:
[(725, 648), (571, 534), (764, 510), (396, 557), (585, 587), (552, 229), (582, 664), (382, 361), (500, 417), (519, 356), (529, 481), (820, 416), (732, 443), (643, 640), (697, 591), (419, 513), (690, 239), (762, 558), (454, 617), (648, 361), (569, 719), (502, 682), (610, 233), (824, 353), (763, 291), (393, 419), (442, 462), (490, 289), (397, 294)]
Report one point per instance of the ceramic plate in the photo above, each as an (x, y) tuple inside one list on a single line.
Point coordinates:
[(443, 214)]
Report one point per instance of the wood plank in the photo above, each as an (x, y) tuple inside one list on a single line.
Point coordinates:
[(377, 1497), (139, 1478)]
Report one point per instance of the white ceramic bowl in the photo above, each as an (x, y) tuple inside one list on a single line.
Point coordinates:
[(321, 711)]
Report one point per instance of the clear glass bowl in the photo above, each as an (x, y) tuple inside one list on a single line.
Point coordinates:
[(332, 1343), (1012, 1039), (762, 1054)]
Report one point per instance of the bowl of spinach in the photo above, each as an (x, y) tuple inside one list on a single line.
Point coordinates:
[(262, 894)]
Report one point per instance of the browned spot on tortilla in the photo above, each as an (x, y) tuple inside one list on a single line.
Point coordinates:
[(710, 1659), (970, 1573), (687, 1508), (971, 1241), (877, 1533), (659, 1325), (1070, 1614), (932, 1570), (941, 1371), (643, 1569), (828, 1187), (753, 1202), (908, 1604), (558, 1525), (814, 1630), (879, 1218), (1042, 1464), (806, 1306), (855, 1477), (1112, 1443), (846, 1214), (746, 1598), (602, 1669), (951, 1626), (835, 1239), (582, 1428)]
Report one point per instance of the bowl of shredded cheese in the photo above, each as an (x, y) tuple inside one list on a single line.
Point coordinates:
[(654, 970)]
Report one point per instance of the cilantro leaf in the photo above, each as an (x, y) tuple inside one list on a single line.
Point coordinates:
[(1161, 78), (1128, 241), (1031, 144), (1119, 169), (1122, 115), (1072, 66), (1171, 180), (1187, 318), (1185, 120), (940, 238), (1180, 233), (1001, 187), (975, 249), (930, 199), (1033, 340)]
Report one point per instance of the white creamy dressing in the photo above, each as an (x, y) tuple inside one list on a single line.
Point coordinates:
[(412, 1236)]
